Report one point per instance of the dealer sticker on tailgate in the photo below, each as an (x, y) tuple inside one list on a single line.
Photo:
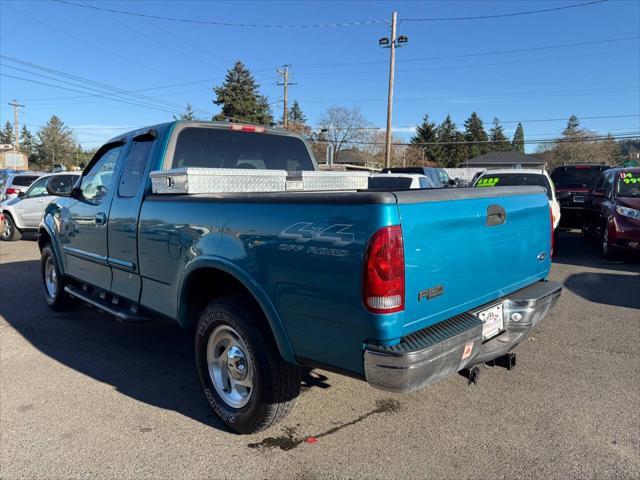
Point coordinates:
[(492, 321)]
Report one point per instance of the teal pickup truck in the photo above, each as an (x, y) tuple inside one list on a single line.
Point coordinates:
[(398, 288)]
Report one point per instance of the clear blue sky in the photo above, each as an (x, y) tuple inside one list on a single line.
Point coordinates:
[(341, 65)]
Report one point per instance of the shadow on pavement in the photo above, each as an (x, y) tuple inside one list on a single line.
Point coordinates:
[(621, 290), (153, 363), (575, 250)]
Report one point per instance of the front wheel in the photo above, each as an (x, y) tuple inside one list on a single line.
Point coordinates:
[(607, 250), (53, 282), (244, 378)]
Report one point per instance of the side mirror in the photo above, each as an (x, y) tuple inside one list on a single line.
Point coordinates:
[(60, 186), (598, 192), (21, 194)]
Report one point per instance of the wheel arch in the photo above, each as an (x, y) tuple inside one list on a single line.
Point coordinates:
[(205, 276)]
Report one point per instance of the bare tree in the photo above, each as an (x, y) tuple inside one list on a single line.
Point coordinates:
[(343, 126)]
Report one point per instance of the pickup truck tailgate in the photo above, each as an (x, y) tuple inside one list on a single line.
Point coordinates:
[(466, 247)]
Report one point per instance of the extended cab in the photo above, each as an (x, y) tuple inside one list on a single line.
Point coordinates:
[(400, 288)]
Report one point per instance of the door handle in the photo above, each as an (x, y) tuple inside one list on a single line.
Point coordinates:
[(101, 218), (40, 201)]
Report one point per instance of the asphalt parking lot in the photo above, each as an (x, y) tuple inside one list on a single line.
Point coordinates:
[(85, 396)]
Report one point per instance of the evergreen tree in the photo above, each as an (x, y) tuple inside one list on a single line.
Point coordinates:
[(426, 133), (240, 99), (499, 141), (295, 114), (56, 143), (451, 150), (28, 145), (6, 135), (518, 139), (187, 115), (573, 127), (475, 133)]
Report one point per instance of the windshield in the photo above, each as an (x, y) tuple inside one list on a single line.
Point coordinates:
[(515, 180), (222, 148), (576, 176), (629, 184)]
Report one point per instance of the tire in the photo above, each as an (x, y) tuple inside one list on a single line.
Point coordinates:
[(233, 344), (53, 282), (10, 233), (605, 246)]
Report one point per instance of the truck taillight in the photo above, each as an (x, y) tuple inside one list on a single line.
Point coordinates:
[(383, 282)]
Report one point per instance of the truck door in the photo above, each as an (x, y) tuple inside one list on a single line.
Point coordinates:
[(123, 218), (85, 239)]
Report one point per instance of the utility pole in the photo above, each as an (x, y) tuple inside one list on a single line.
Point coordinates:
[(392, 68), (284, 71), (16, 140), (391, 43)]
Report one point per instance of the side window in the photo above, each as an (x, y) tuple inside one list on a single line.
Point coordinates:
[(134, 168), (97, 181), (608, 186), (38, 188), (599, 185)]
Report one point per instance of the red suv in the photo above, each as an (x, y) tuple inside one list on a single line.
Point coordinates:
[(612, 211), (572, 184)]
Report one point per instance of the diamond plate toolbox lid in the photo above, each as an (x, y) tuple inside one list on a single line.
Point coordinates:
[(217, 180), (327, 181)]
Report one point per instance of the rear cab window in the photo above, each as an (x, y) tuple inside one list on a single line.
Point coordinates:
[(578, 176), (217, 147), (515, 180)]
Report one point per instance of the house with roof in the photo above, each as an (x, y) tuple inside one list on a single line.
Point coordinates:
[(509, 159)]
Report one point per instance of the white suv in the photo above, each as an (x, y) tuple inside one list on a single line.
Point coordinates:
[(521, 177), (23, 213)]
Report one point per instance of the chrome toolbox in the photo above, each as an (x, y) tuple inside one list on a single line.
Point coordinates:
[(217, 180), (327, 181)]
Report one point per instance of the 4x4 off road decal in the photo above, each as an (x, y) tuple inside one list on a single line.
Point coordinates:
[(487, 182), (338, 235)]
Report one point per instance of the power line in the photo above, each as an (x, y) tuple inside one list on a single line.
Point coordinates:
[(224, 24), (488, 142), (91, 94), (503, 15), (115, 91), (94, 45), (493, 64), (474, 54), (538, 120)]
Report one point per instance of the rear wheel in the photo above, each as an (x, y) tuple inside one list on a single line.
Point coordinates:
[(244, 378), (53, 282), (10, 232)]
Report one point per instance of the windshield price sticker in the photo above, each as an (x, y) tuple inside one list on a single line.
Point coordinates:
[(627, 177), (487, 182)]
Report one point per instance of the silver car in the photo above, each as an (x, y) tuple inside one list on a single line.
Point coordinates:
[(23, 213), (12, 183)]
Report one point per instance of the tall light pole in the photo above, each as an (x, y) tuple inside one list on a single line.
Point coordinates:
[(391, 43)]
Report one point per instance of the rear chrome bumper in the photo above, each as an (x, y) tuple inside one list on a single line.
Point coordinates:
[(436, 352)]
